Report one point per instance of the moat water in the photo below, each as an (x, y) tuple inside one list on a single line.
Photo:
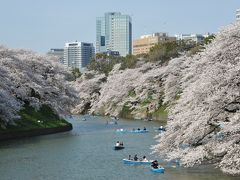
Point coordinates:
[(86, 153)]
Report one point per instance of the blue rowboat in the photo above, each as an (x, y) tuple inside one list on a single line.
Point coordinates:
[(138, 131), (158, 170), (127, 161), (112, 122), (121, 131)]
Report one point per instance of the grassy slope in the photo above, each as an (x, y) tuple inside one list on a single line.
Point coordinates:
[(32, 119), (160, 114)]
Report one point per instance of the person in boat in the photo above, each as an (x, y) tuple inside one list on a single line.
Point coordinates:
[(155, 164), (138, 129), (144, 159), (121, 144), (144, 128), (161, 128), (135, 157), (129, 157), (117, 144)]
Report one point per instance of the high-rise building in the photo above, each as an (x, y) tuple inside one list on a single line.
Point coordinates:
[(78, 54), (238, 15), (59, 53), (114, 33), (100, 36), (146, 42)]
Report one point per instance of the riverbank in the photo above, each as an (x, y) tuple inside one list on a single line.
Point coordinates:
[(35, 123), (33, 132)]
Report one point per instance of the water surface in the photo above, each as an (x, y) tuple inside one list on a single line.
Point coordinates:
[(87, 153)]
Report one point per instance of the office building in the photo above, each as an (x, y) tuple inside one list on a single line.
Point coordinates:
[(78, 54), (146, 42), (59, 53), (238, 15), (197, 38), (114, 33), (100, 36)]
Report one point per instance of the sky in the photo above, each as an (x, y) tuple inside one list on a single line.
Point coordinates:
[(44, 24)]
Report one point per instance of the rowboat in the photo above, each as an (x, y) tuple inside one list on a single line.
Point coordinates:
[(138, 131), (158, 170), (127, 161), (112, 122), (118, 147), (121, 131)]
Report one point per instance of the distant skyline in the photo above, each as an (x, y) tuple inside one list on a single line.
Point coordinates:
[(45, 24)]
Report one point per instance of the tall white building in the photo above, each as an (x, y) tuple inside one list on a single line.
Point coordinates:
[(238, 15), (78, 54), (114, 33)]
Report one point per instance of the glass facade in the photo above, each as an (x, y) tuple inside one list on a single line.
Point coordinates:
[(114, 33), (78, 54), (100, 35), (238, 15)]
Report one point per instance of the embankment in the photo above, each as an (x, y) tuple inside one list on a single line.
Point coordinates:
[(33, 132)]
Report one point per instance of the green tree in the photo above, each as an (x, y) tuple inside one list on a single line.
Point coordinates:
[(163, 52), (128, 62), (105, 64), (76, 73), (101, 56), (185, 45), (195, 49), (209, 39)]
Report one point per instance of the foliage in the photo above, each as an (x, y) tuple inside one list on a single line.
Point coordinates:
[(104, 64), (132, 93), (166, 51), (198, 48), (126, 112), (201, 90), (209, 39), (147, 100), (33, 119), (30, 78), (160, 113), (204, 122), (108, 95), (128, 62), (101, 56), (76, 73), (163, 52), (89, 75), (185, 46)]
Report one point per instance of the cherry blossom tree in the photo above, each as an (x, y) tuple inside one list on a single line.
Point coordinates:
[(26, 77), (204, 122), (202, 93), (108, 95)]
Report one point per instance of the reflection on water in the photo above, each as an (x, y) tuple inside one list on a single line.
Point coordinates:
[(87, 153)]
